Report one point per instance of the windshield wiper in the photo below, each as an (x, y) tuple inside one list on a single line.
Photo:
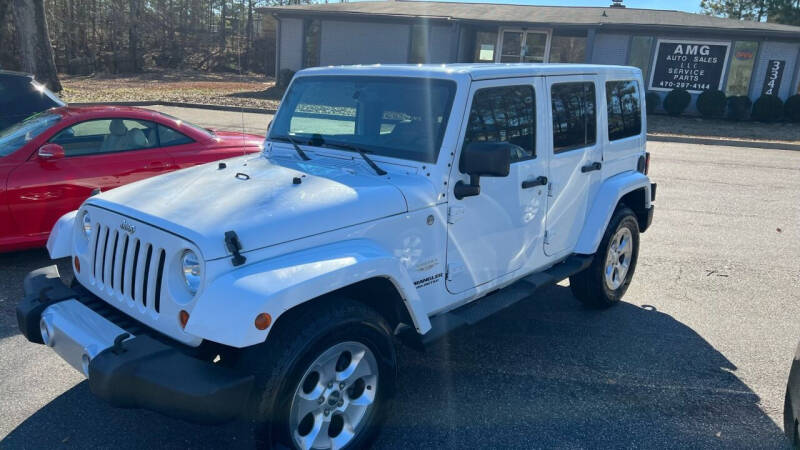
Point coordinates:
[(360, 151), (296, 146)]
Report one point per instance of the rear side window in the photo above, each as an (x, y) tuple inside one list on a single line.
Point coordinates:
[(169, 137), (574, 116), (504, 114), (624, 109)]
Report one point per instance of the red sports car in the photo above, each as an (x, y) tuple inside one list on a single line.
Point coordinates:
[(51, 162)]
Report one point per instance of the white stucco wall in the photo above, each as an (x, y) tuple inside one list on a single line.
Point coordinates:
[(291, 44), (363, 43), (786, 51), (440, 44), (610, 48)]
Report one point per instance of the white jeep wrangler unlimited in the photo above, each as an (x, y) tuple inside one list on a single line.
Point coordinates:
[(390, 202)]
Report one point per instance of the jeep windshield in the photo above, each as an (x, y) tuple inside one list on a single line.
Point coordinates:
[(390, 116)]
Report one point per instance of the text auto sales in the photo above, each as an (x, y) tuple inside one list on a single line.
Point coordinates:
[(689, 62), (695, 67), (689, 68)]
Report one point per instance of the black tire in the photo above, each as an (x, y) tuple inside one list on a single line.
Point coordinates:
[(302, 335), (589, 286)]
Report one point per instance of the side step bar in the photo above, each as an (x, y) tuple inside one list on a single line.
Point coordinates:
[(479, 309)]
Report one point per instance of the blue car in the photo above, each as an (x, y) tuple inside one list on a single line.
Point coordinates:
[(21, 96)]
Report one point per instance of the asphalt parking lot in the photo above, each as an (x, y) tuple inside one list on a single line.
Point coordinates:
[(696, 356)]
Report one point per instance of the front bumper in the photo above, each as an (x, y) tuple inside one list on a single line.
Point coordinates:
[(127, 371)]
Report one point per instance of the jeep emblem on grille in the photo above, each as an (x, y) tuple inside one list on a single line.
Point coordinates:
[(127, 226)]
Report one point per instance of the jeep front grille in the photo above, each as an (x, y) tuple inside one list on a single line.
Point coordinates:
[(127, 267)]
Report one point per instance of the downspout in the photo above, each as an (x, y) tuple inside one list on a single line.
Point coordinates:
[(590, 45), (454, 56), (277, 46)]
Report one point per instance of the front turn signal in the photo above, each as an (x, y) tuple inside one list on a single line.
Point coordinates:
[(263, 321)]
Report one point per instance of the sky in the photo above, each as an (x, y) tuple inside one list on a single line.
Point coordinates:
[(682, 5)]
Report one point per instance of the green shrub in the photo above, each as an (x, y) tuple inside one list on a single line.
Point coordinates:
[(677, 101), (711, 103), (791, 108), (651, 101), (739, 107), (768, 108)]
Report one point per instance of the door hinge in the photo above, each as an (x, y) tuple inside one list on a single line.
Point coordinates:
[(546, 238), (549, 189), (455, 213), (452, 270)]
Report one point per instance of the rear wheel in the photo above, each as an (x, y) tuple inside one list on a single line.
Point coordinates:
[(325, 381), (604, 282)]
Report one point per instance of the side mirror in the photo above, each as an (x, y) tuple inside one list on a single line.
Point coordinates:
[(50, 152), (482, 159)]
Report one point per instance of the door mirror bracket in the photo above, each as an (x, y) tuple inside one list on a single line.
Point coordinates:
[(461, 189), (488, 159)]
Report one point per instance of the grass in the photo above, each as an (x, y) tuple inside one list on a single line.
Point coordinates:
[(723, 129), (249, 90)]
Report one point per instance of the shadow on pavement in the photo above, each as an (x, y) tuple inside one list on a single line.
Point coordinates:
[(13, 268), (544, 373)]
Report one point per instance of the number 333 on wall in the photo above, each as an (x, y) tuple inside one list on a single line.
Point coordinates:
[(772, 81)]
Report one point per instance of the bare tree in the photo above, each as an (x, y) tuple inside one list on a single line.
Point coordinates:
[(33, 41)]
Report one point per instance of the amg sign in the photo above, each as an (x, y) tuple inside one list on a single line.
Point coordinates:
[(694, 66)]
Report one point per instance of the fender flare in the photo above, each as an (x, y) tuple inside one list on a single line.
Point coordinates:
[(605, 202), (227, 308), (59, 243)]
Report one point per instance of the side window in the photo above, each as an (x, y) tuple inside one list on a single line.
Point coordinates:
[(504, 114), (574, 116), (624, 109), (106, 136), (169, 137)]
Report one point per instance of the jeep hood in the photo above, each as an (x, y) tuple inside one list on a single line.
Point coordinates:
[(264, 202)]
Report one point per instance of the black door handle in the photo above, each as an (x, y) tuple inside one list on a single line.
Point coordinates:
[(591, 167), (538, 181)]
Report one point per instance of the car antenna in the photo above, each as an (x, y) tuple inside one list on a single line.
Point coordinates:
[(241, 75)]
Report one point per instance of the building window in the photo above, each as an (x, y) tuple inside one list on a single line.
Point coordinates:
[(485, 46), (574, 116), (744, 57), (568, 49), (312, 34), (418, 53), (504, 114), (523, 46), (624, 109), (641, 49)]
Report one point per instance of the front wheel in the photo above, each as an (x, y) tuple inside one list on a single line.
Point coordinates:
[(604, 282), (325, 379), (334, 400)]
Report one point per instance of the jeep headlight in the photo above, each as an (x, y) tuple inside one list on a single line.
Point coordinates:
[(87, 225), (190, 268)]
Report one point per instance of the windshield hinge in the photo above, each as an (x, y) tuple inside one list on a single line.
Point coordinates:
[(453, 270), (455, 213), (234, 246)]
